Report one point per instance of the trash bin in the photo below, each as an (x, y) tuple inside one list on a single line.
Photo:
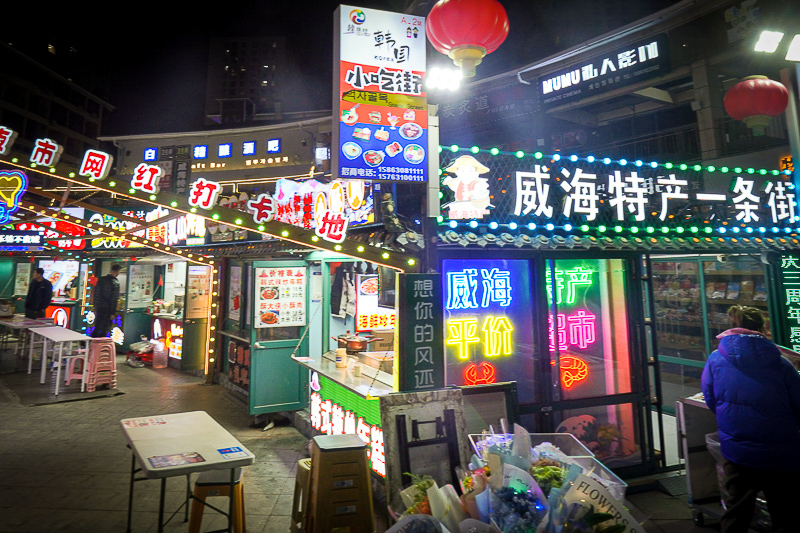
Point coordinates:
[(714, 448)]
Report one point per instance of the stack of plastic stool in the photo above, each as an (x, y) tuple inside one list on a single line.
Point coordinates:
[(217, 483), (300, 499), (100, 365), (340, 492)]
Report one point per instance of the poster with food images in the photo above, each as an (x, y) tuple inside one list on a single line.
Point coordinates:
[(369, 315), (23, 278), (280, 297), (140, 286), (382, 118), (235, 293), (198, 291)]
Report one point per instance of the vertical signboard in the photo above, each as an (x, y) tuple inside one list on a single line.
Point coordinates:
[(380, 107), (22, 279), (198, 292), (420, 349), (790, 299)]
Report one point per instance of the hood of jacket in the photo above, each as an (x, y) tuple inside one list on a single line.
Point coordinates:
[(749, 350)]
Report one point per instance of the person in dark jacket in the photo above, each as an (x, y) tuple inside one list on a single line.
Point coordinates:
[(755, 395), (40, 292), (105, 298)]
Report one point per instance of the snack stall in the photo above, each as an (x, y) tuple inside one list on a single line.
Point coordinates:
[(614, 270)]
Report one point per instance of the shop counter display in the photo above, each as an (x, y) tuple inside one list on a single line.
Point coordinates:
[(371, 382)]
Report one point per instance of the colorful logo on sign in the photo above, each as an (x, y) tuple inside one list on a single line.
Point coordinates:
[(13, 185), (358, 17)]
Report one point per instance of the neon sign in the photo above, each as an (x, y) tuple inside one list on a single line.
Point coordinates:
[(577, 329), (567, 281), (335, 410), (13, 185), (462, 285), (486, 301), (573, 370)]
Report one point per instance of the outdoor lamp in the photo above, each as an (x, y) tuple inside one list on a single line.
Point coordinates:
[(467, 30)]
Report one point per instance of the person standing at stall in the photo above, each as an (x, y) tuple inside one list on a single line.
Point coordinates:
[(40, 293), (105, 298), (755, 395)]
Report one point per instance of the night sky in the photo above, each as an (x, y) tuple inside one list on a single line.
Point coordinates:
[(154, 54)]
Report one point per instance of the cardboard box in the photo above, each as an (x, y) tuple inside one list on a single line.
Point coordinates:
[(384, 345)]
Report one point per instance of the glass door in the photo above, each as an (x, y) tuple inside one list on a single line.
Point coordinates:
[(279, 296), (599, 385)]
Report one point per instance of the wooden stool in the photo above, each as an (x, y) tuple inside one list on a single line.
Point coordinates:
[(340, 491), (300, 500), (217, 483)]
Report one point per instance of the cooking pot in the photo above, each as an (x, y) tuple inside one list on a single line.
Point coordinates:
[(6, 307), (354, 343)]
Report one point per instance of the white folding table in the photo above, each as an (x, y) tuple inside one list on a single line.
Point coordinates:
[(59, 336), (180, 444)]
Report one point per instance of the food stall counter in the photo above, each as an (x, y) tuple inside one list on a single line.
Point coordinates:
[(371, 383)]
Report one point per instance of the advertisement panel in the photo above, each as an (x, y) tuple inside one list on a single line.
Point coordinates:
[(380, 104)]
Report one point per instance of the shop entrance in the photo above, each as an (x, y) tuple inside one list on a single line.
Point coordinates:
[(687, 306), (279, 307)]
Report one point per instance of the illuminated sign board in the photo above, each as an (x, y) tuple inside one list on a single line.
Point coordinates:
[(173, 232), (790, 277), (421, 360), (369, 315), (624, 66), (30, 238), (7, 138), (380, 105), (335, 410), (487, 323), (604, 193), (13, 184), (171, 332)]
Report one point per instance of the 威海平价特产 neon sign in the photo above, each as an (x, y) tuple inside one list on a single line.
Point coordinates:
[(462, 288), (567, 284), (462, 332), (573, 370), (487, 374), (577, 329)]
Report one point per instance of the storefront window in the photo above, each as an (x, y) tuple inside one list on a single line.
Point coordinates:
[(589, 336), (488, 323), (691, 297)]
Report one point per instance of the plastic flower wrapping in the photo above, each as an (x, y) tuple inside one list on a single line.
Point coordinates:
[(516, 487)]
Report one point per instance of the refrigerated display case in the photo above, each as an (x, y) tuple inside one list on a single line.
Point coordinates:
[(692, 296)]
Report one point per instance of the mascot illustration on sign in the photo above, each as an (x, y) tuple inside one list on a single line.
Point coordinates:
[(471, 190)]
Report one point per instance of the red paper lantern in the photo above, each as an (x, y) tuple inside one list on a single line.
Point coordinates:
[(467, 30), (755, 100)]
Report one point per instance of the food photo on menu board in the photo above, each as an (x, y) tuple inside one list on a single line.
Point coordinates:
[(280, 297), (389, 140)]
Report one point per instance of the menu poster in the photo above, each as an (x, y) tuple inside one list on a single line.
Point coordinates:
[(23, 278), (140, 286), (369, 315), (60, 273), (198, 291), (280, 297), (235, 293)]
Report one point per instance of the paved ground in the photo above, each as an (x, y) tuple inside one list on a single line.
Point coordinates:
[(65, 467)]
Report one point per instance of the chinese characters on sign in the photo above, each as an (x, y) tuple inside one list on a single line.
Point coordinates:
[(420, 347), (583, 192), (790, 269), (7, 138), (369, 316), (335, 410), (280, 298), (46, 152), (96, 164), (635, 62), (381, 127)]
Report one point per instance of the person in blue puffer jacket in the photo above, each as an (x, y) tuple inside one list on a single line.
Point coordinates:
[(755, 395)]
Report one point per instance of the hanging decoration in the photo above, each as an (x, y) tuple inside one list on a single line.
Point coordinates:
[(467, 30), (755, 100)]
